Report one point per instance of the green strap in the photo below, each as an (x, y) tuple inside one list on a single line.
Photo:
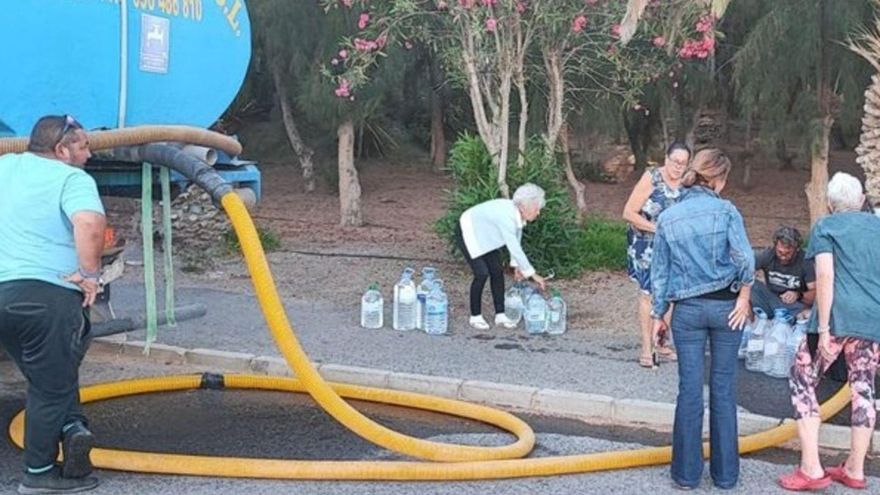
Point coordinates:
[(168, 264), (149, 266)]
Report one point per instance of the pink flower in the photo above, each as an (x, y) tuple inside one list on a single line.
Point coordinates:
[(579, 23), (343, 54), (363, 45), (705, 24), (489, 3), (363, 20), (347, 3), (467, 4), (615, 31), (520, 7), (659, 41), (442, 5), (343, 91), (697, 48), (491, 24)]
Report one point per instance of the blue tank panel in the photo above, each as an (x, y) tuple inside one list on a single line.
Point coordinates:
[(186, 61)]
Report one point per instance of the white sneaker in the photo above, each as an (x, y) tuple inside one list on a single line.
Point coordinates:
[(503, 320), (479, 323)]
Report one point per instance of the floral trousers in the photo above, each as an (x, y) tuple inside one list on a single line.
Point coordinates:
[(862, 359)]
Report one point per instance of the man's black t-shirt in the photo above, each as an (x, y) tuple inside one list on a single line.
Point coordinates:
[(781, 278)]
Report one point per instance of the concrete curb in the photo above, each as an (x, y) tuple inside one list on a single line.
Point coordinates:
[(585, 407)]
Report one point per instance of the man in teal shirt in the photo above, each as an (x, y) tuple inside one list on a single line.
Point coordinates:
[(51, 239)]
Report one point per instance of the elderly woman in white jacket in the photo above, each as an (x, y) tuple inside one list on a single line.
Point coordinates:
[(483, 230)]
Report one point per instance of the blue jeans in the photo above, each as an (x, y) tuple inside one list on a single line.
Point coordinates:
[(693, 321)]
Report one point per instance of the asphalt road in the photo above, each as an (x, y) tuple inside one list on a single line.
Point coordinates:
[(277, 425)]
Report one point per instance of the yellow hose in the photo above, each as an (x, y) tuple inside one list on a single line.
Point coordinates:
[(478, 462)]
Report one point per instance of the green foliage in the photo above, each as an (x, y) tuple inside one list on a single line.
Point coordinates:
[(554, 242), (268, 238), (777, 65), (603, 245)]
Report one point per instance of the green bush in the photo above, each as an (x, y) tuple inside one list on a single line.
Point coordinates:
[(602, 245), (554, 242), (268, 238)]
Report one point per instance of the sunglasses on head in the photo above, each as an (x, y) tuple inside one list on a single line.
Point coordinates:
[(69, 123)]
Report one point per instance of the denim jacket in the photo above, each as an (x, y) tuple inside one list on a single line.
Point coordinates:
[(700, 247)]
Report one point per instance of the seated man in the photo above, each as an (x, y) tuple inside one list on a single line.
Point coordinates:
[(789, 279)]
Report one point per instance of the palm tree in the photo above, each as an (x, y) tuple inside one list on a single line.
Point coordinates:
[(868, 150)]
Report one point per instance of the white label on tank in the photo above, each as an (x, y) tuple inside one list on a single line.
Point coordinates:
[(155, 44)]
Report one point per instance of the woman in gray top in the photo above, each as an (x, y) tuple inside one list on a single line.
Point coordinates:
[(844, 245), (482, 231)]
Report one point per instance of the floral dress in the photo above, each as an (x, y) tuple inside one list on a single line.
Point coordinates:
[(640, 243)]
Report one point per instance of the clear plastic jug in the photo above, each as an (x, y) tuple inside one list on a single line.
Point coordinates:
[(436, 310), (556, 314), (404, 314), (513, 303), (372, 307), (755, 346), (536, 314), (429, 273)]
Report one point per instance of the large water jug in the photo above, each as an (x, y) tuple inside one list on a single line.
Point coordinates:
[(526, 290), (793, 344), (774, 342), (556, 314), (744, 343), (755, 347), (404, 314), (422, 290), (436, 310), (536, 314), (372, 307), (513, 303)]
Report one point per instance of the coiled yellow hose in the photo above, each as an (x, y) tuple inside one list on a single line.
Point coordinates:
[(471, 462)]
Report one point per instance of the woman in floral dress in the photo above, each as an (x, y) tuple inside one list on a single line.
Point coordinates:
[(656, 190)]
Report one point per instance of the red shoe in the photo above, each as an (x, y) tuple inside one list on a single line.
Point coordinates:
[(839, 475), (798, 481)]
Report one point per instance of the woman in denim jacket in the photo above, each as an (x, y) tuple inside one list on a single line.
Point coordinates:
[(703, 262)]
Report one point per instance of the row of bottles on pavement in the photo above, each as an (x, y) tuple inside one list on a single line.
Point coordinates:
[(426, 306), (769, 345)]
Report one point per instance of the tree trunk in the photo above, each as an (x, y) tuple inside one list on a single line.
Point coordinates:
[(747, 155), (816, 196), (580, 190), (869, 140), (555, 97), (349, 185), (633, 122), (523, 118), (304, 153), (502, 126), (438, 117)]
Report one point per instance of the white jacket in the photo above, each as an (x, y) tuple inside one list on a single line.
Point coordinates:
[(491, 225)]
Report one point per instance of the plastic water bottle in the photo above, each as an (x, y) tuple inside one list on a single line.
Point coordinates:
[(556, 314), (526, 290), (372, 307), (744, 343), (422, 290), (513, 303), (536, 314), (405, 302), (755, 347), (774, 341), (793, 344), (436, 310)]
